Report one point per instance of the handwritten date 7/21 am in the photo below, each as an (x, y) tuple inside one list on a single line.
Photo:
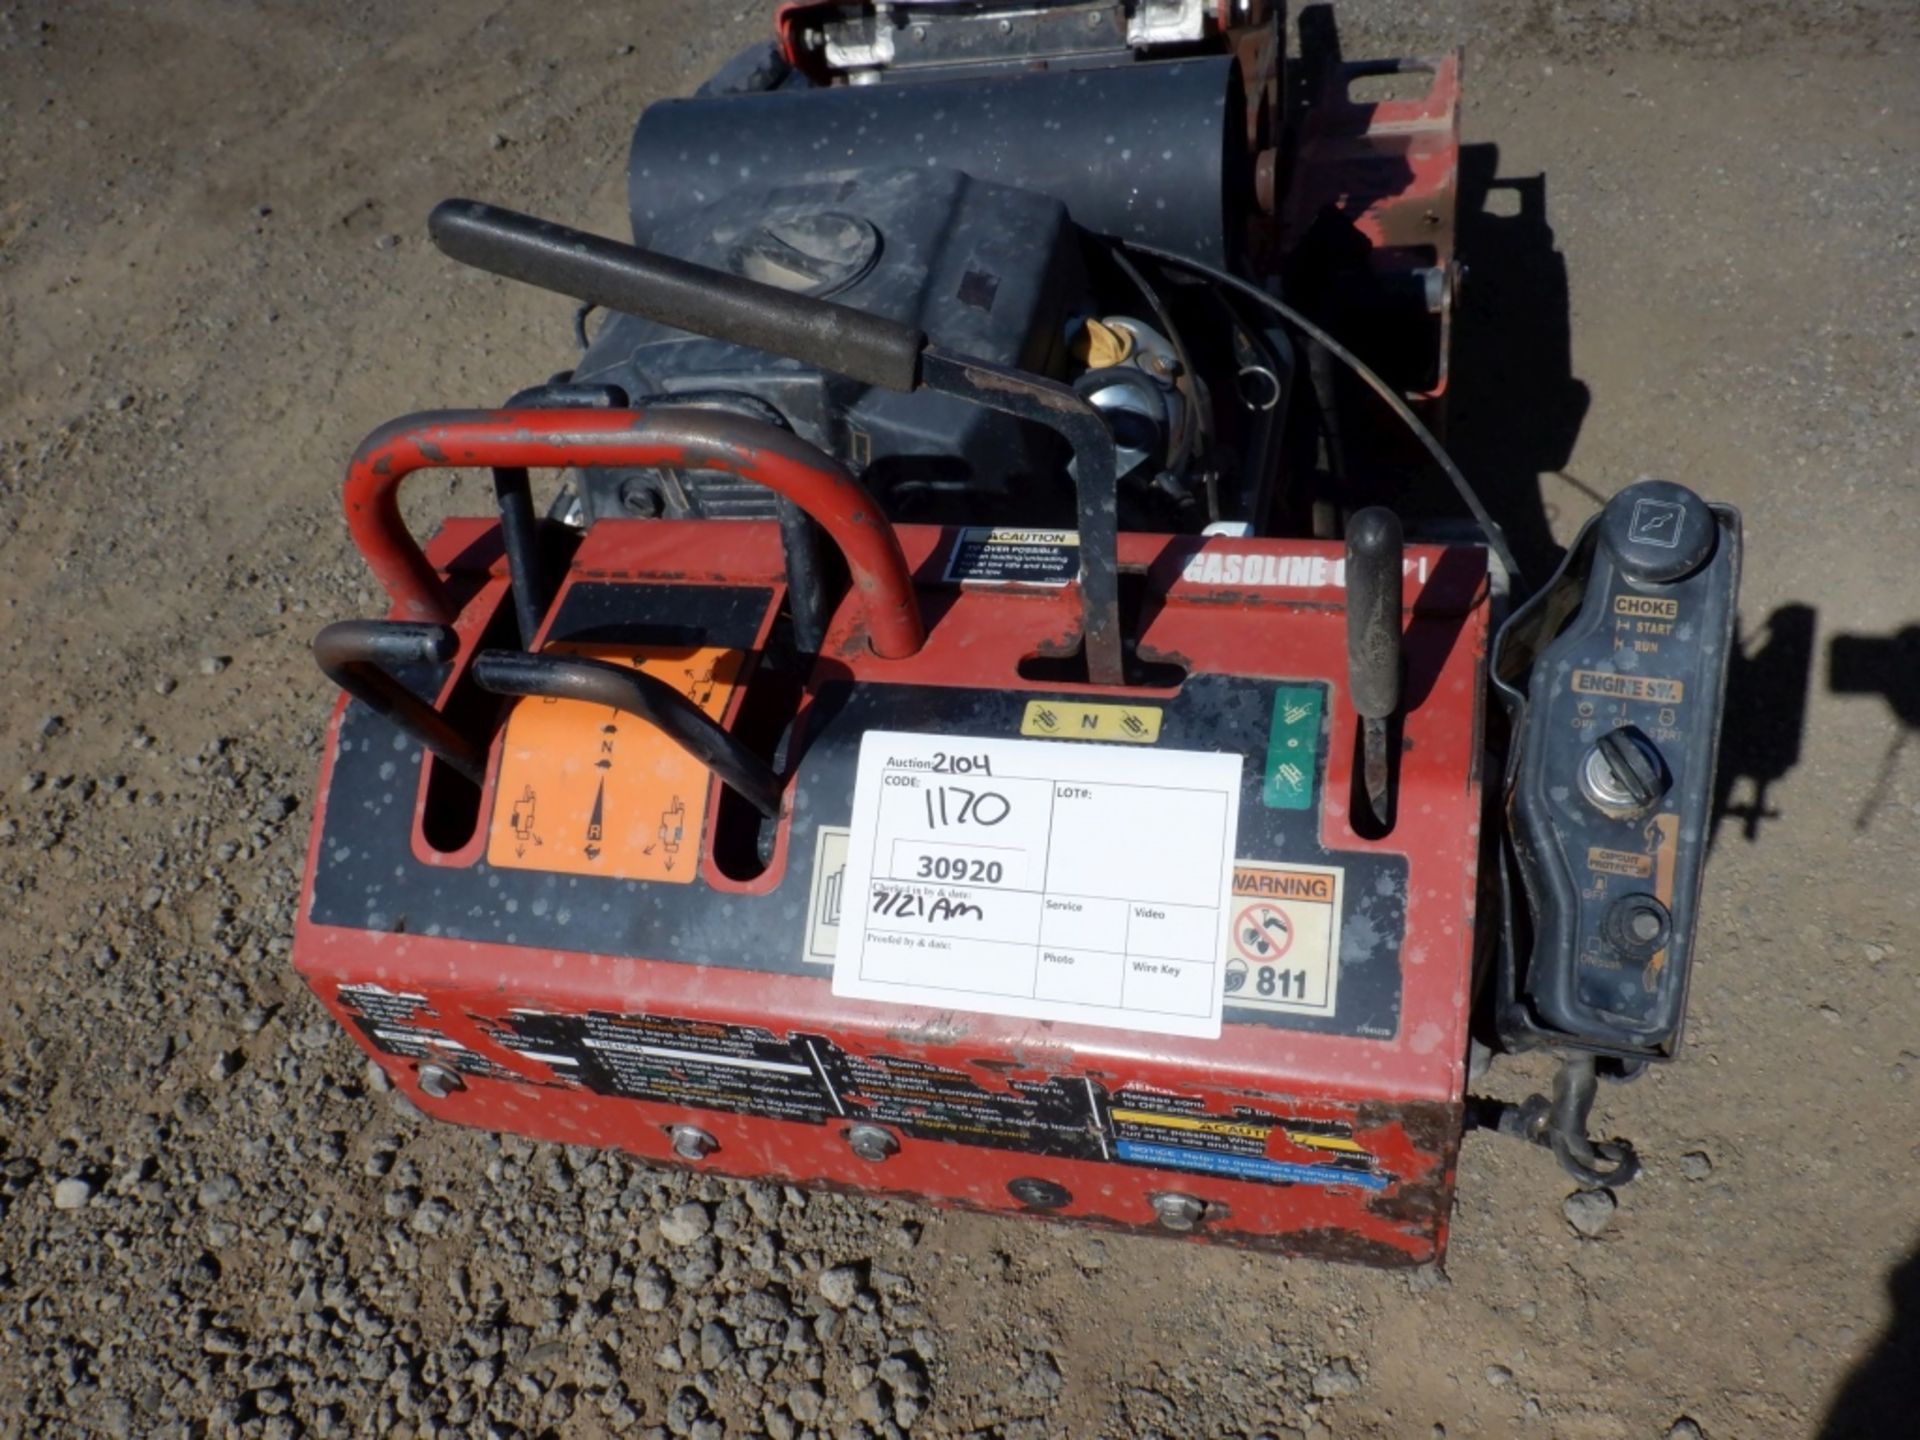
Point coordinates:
[(908, 904)]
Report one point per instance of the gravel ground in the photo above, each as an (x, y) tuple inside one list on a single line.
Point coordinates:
[(215, 1219)]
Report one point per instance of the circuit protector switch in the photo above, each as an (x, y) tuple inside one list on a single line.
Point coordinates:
[(1616, 675)]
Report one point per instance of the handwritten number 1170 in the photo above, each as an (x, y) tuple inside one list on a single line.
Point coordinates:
[(956, 805)]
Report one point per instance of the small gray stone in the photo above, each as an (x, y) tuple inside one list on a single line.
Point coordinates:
[(1686, 1428), (805, 1401), (214, 664), (840, 1286), (220, 1189), (685, 1223), (1335, 1378), (1041, 1380), (165, 685), (870, 1405), (1696, 1165), (1589, 1211), (71, 1194), (653, 1291), (1499, 1375)]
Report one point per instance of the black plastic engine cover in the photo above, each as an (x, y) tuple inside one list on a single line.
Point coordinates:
[(982, 269), (1615, 676)]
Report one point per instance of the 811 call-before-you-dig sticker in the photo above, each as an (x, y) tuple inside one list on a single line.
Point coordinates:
[(1283, 948)]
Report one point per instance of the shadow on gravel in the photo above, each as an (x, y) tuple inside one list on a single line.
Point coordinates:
[(1881, 1398), (1887, 666), (1516, 407), (1768, 679)]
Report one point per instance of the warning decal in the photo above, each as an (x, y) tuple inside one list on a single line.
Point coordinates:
[(585, 789), (1014, 557), (1283, 950), (809, 1080), (1170, 1133)]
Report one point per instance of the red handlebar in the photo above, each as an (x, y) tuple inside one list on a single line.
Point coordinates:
[(702, 439)]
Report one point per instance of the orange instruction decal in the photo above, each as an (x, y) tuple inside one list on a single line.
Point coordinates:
[(588, 790)]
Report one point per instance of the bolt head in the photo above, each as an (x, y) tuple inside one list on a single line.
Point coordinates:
[(438, 1082), (871, 1142), (1178, 1212), (690, 1142)]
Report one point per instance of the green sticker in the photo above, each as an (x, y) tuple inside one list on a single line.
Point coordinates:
[(1293, 747)]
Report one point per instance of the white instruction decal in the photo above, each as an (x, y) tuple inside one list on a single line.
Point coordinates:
[(1085, 883)]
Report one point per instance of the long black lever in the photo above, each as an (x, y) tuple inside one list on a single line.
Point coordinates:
[(513, 672), (863, 347), (1374, 551)]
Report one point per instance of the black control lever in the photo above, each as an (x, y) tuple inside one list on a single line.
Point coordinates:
[(357, 655), (513, 493), (1374, 553), (551, 677), (839, 338)]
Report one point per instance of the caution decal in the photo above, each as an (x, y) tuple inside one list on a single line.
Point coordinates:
[(585, 789)]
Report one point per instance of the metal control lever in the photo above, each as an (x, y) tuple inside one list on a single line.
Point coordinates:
[(1374, 551), (552, 677), (359, 656), (822, 334)]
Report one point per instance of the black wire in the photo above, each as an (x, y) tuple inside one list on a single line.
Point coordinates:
[(1200, 421), (580, 324), (1496, 540)]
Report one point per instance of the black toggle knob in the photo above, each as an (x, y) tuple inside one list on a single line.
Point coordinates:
[(1623, 774)]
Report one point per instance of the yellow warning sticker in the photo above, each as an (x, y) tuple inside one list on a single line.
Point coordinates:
[(1196, 1124), (1075, 720), (589, 790), (1283, 945)]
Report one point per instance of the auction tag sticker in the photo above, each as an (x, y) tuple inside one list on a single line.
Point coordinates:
[(1283, 952), (1085, 883)]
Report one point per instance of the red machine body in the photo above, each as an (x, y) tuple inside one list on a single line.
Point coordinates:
[(552, 996)]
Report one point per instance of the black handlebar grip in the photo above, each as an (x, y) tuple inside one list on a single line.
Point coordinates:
[(676, 292), (1374, 550)]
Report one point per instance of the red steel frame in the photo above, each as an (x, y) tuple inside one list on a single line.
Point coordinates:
[(1403, 1096)]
